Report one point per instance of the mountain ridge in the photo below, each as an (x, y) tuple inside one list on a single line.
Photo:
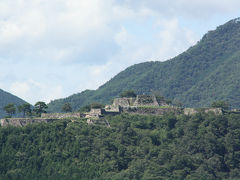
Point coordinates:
[(206, 72), (6, 98)]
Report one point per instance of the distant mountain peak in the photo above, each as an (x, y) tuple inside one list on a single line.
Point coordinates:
[(206, 72)]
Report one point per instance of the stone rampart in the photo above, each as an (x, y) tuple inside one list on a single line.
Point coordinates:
[(192, 111), (123, 102), (189, 111), (146, 100), (61, 115), (20, 122), (150, 110), (95, 113), (217, 111)]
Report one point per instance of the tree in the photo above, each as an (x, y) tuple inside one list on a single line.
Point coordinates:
[(128, 93), (220, 104), (178, 103), (40, 107), (67, 107), (25, 109), (97, 105), (85, 109), (10, 109)]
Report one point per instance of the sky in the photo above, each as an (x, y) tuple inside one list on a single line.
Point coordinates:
[(53, 49)]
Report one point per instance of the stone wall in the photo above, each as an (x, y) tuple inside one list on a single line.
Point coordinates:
[(123, 102), (20, 122), (111, 108), (189, 111), (95, 113), (150, 111), (61, 115), (146, 100), (192, 111), (217, 111), (140, 100)]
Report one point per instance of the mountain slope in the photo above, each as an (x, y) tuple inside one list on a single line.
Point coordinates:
[(6, 98), (206, 72)]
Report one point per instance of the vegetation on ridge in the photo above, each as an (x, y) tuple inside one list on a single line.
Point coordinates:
[(7, 98), (128, 94)]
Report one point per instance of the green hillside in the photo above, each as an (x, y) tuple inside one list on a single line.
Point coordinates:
[(199, 147), (6, 98), (206, 72)]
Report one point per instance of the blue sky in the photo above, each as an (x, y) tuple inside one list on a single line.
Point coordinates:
[(53, 49)]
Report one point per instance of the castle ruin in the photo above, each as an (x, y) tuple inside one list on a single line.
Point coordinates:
[(142, 104)]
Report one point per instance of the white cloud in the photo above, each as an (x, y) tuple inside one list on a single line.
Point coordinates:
[(33, 91), (21, 89), (170, 40), (29, 28), (174, 39), (198, 9)]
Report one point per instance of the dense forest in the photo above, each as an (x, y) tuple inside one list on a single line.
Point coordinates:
[(206, 72), (202, 146)]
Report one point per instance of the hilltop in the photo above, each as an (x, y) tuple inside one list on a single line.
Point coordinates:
[(206, 72), (139, 137), (148, 105)]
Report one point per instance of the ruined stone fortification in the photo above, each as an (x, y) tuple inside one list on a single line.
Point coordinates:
[(149, 104), (20, 122), (189, 111), (61, 115), (150, 110), (146, 100), (142, 104), (139, 101), (122, 102), (192, 111), (95, 113), (217, 111)]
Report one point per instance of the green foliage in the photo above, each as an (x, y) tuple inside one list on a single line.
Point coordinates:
[(220, 104), (203, 146), (10, 109), (7, 98), (203, 74), (40, 107), (97, 105), (128, 93), (160, 98), (85, 109), (25, 109), (67, 107)]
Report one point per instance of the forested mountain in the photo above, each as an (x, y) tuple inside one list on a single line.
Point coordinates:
[(206, 72), (6, 98), (199, 147)]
